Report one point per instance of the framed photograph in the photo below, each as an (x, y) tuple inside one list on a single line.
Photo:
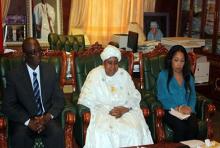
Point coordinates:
[(43, 17), (160, 19), (15, 33), (15, 19)]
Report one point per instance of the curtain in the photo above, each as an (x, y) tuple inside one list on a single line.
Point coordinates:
[(77, 14), (5, 7), (149, 5), (137, 11), (100, 19)]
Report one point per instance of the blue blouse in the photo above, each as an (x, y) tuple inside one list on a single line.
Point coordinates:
[(177, 94)]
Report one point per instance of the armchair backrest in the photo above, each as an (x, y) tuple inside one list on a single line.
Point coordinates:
[(58, 60), (66, 42), (8, 62), (151, 64), (83, 63)]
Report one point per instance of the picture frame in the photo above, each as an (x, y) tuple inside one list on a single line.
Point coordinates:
[(162, 20), (15, 33), (15, 20), (34, 9), (14, 30)]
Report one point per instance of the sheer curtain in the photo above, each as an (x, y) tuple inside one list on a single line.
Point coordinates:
[(149, 5), (77, 14), (5, 6), (4, 10), (100, 19)]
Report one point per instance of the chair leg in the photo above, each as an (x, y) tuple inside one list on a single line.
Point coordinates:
[(3, 131), (68, 130)]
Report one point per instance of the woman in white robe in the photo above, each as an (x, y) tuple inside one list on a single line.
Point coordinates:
[(116, 117)]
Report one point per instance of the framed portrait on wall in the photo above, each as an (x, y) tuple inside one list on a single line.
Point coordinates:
[(14, 33), (161, 19), (43, 18), (14, 30)]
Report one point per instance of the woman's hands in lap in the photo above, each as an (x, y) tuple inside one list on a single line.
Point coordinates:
[(184, 109)]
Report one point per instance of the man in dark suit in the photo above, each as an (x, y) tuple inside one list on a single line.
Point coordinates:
[(33, 101)]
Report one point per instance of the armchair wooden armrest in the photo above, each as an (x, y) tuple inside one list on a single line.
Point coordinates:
[(3, 132), (146, 112), (160, 132), (68, 130), (210, 112), (86, 120)]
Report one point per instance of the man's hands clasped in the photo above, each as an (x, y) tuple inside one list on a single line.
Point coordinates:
[(38, 124)]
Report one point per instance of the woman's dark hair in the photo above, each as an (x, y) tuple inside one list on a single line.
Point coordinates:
[(186, 67)]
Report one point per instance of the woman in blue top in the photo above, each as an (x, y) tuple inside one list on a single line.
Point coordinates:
[(176, 89)]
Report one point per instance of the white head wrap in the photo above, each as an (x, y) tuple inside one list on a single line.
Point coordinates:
[(110, 51), (153, 25)]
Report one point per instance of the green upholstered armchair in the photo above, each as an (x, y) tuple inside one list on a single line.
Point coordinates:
[(82, 64), (150, 65), (4, 67), (58, 59), (66, 42)]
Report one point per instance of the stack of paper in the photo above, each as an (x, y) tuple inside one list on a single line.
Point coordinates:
[(178, 114), (184, 41), (193, 143), (202, 70), (201, 144)]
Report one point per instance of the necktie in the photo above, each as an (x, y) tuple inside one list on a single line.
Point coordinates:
[(37, 94)]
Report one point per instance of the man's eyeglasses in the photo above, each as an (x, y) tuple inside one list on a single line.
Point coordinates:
[(34, 52)]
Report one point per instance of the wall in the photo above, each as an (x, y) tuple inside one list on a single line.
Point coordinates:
[(169, 6), (17, 7), (66, 4)]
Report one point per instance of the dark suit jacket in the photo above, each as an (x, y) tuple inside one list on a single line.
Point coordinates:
[(19, 104)]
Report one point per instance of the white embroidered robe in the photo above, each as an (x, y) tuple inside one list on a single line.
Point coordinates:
[(102, 93)]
